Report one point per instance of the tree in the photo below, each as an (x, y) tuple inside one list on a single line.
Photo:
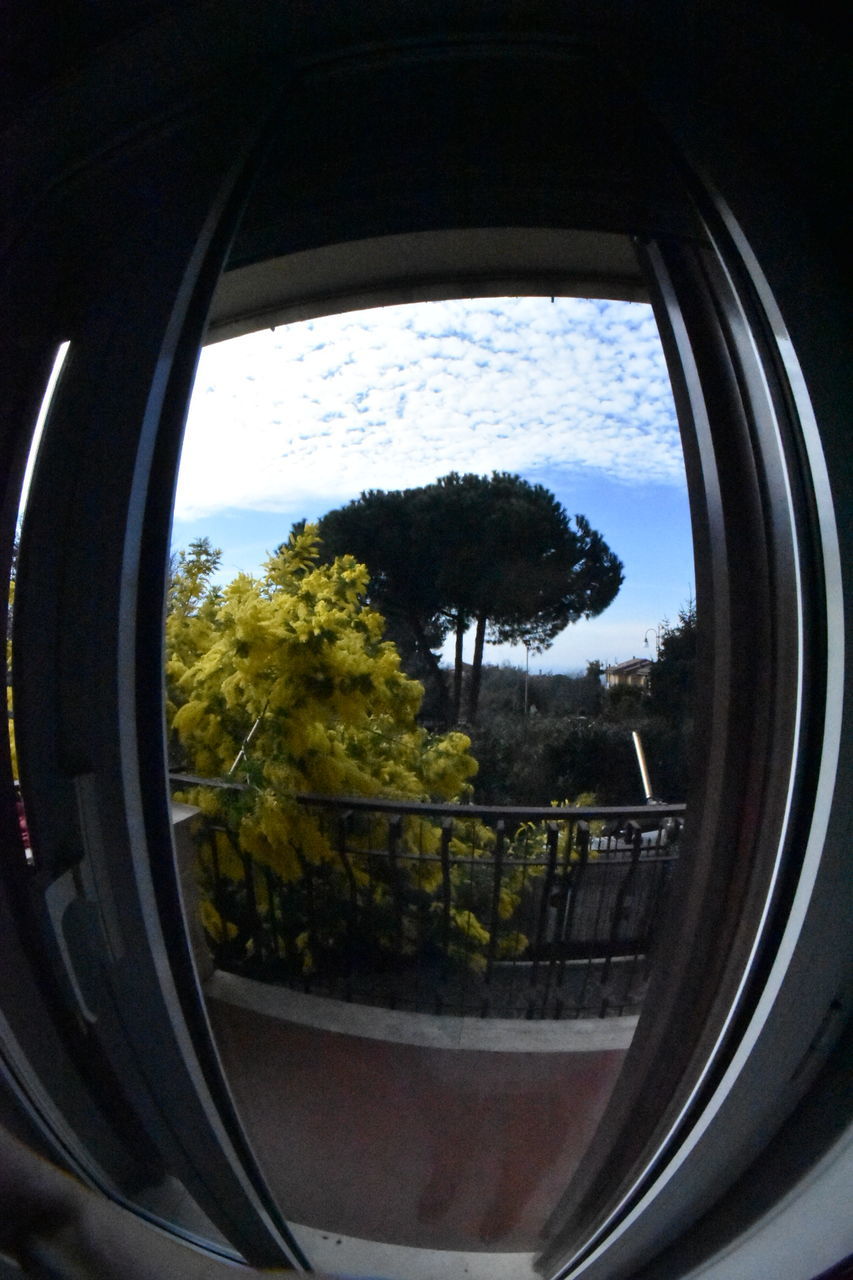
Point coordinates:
[(673, 676), (298, 660), (287, 682), (191, 611), (495, 552), (391, 533)]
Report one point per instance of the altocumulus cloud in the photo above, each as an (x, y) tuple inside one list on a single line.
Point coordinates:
[(313, 413)]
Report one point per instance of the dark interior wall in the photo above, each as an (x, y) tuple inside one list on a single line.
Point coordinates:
[(371, 147), (754, 100)]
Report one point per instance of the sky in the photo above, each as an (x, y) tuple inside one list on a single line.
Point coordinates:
[(573, 393)]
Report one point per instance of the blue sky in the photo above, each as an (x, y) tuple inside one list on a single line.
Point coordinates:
[(572, 394)]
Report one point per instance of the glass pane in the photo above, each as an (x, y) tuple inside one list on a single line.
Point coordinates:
[(429, 660)]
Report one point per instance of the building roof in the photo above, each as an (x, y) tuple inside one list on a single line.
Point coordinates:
[(632, 667)]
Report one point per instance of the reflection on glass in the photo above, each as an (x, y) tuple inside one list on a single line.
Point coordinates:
[(38, 430), (427, 885)]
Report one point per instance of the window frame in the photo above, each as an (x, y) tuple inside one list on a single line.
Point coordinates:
[(775, 1008)]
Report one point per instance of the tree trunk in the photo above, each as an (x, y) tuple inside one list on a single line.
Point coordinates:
[(436, 673), (476, 671), (457, 668)]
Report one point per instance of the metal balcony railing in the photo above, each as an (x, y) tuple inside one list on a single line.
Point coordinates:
[(449, 909)]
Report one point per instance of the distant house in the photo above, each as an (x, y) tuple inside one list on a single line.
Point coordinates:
[(635, 672)]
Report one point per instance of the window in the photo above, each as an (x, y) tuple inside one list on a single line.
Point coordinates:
[(393, 141)]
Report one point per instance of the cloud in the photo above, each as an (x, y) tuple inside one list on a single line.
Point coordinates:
[(387, 398)]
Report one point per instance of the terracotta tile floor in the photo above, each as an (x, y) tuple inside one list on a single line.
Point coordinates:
[(427, 1147)]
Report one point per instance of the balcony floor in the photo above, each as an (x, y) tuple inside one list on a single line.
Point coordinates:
[(414, 1138), (331, 1251)]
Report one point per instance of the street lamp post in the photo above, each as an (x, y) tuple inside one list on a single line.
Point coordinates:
[(658, 634)]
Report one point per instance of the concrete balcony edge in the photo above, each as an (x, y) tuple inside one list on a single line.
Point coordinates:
[(498, 1035)]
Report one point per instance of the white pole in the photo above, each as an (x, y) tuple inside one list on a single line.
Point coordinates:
[(641, 761)]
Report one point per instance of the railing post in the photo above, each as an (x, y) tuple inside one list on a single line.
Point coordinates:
[(275, 935), (254, 917), (352, 914), (446, 889), (551, 840), (575, 873), (395, 831), (308, 874), (494, 914), (210, 832), (623, 898)]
